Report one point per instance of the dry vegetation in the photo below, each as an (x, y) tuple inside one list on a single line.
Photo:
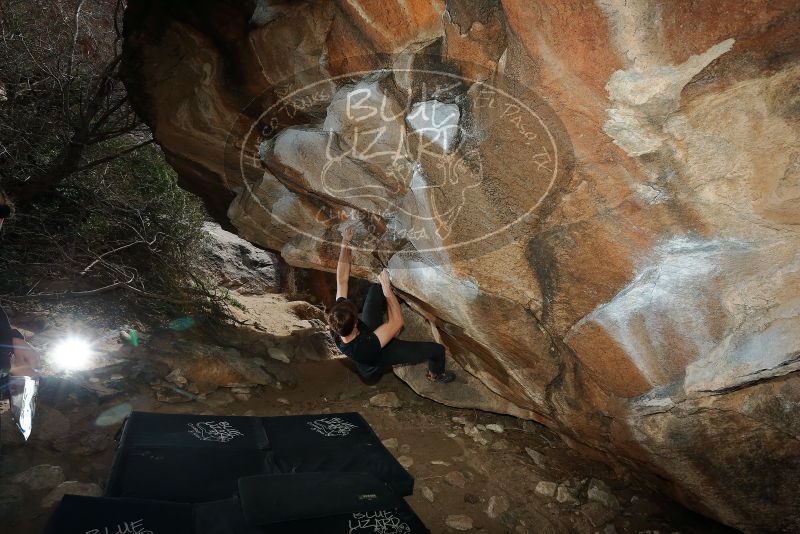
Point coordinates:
[(98, 208)]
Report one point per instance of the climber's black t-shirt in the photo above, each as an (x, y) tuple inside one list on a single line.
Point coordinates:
[(364, 349)]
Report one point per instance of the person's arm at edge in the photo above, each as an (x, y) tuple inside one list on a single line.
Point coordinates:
[(7, 334), (343, 266), (25, 360), (388, 330)]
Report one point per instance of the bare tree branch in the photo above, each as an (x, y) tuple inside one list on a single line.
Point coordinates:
[(103, 255), (114, 156), (65, 99), (71, 63), (67, 294), (93, 292)]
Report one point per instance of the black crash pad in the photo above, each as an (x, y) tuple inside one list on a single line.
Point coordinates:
[(167, 456), (182, 475), (267, 499), (340, 442), (309, 503), (149, 430), (77, 514)]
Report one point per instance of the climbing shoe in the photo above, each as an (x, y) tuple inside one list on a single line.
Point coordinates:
[(444, 377)]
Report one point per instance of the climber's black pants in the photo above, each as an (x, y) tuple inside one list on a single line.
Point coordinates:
[(397, 351)]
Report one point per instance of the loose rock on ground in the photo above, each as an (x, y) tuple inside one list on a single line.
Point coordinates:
[(71, 487), (41, 477), (386, 400), (459, 522)]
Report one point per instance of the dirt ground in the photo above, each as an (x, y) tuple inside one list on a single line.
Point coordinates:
[(461, 466)]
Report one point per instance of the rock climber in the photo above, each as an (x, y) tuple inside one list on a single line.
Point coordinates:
[(369, 340)]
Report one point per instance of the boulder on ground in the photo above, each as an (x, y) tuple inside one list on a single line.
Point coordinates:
[(40, 477), (456, 478), (71, 487), (237, 264), (600, 492), (602, 226), (386, 400), (459, 522), (546, 488), (498, 505)]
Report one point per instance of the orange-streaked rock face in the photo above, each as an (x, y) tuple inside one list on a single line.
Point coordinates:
[(597, 204)]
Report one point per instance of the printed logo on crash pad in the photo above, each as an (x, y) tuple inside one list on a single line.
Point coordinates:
[(128, 527), (379, 522), (218, 431), (332, 426)]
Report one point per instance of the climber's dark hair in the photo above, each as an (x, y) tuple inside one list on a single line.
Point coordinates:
[(342, 317)]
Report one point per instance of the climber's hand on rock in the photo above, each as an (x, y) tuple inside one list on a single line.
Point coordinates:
[(385, 281), (347, 234)]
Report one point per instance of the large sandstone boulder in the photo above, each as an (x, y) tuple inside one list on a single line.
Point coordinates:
[(234, 263), (596, 204)]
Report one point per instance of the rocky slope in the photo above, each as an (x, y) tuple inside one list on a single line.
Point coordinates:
[(597, 204)]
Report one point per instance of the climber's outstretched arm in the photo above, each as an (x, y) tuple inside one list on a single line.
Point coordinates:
[(388, 330), (343, 267)]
